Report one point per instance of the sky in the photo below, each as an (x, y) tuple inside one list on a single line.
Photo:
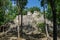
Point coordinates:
[(33, 3)]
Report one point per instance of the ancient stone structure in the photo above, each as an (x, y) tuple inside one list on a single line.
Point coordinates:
[(30, 20)]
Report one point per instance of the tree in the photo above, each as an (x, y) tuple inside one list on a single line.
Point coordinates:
[(21, 5), (1, 12), (44, 4), (7, 11), (49, 14), (53, 8), (52, 4)]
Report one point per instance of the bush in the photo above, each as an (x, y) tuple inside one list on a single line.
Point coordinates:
[(41, 26)]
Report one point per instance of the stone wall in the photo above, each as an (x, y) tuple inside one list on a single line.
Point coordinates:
[(32, 19)]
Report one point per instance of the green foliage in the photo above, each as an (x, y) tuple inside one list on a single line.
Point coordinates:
[(7, 11), (32, 9), (49, 14), (58, 11), (1, 12), (24, 12), (42, 26), (22, 3), (21, 6)]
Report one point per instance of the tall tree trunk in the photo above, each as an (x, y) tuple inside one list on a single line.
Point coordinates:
[(21, 27), (46, 30), (53, 6), (18, 28)]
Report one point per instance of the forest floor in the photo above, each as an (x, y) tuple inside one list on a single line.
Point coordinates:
[(51, 38)]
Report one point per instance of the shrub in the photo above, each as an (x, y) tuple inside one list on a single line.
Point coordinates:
[(41, 26)]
